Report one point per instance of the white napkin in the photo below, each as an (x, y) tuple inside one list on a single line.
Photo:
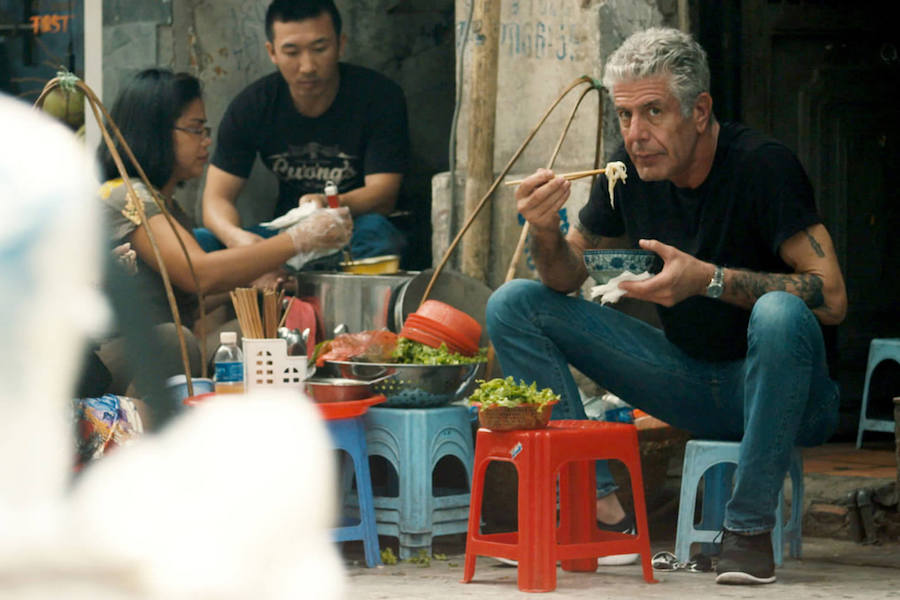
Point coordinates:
[(610, 291), (295, 215)]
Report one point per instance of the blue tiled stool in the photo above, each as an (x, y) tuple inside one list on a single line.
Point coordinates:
[(349, 435), (879, 350), (716, 463), (413, 441)]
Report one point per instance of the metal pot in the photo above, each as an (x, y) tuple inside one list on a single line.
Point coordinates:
[(366, 302), (359, 302)]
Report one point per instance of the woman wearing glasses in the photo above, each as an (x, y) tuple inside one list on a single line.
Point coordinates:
[(162, 117)]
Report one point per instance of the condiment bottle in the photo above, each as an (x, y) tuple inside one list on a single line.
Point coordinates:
[(331, 194)]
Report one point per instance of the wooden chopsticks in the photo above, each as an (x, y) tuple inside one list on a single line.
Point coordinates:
[(569, 176), (247, 307)]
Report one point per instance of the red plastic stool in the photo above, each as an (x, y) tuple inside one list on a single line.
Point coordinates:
[(565, 449)]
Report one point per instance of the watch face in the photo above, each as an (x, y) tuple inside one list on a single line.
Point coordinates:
[(717, 285)]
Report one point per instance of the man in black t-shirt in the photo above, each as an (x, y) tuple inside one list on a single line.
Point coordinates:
[(748, 275), (315, 120)]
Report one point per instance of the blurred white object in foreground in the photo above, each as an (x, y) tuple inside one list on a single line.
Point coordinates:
[(233, 500), (50, 244), (236, 499)]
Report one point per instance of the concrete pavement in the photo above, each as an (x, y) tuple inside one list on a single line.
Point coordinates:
[(829, 569)]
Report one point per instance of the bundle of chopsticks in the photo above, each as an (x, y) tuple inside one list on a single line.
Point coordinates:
[(259, 312)]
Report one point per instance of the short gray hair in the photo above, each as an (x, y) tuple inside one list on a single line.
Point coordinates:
[(661, 51)]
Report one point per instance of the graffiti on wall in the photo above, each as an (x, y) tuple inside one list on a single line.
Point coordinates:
[(539, 30)]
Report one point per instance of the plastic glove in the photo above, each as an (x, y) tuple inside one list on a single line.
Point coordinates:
[(291, 217), (323, 232), (318, 199)]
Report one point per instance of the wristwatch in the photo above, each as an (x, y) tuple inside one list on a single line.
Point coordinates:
[(717, 283)]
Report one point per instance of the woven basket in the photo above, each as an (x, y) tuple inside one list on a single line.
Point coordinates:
[(507, 418)]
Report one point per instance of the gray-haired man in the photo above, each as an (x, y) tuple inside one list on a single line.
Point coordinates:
[(749, 275)]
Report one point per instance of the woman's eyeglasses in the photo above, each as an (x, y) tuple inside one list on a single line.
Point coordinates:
[(201, 131)]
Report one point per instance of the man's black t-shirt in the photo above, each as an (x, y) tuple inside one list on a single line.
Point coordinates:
[(756, 196), (364, 131)]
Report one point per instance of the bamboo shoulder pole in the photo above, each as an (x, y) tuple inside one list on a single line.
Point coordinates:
[(480, 149)]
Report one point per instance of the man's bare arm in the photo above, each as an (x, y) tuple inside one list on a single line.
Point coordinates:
[(558, 258), (751, 285), (378, 195), (558, 264), (817, 279), (219, 212)]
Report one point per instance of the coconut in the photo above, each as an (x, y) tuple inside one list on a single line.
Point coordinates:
[(67, 106)]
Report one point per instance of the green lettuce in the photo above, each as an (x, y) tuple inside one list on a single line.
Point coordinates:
[(506, 392), (414, 353)]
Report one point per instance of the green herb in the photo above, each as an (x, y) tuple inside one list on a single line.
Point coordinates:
[(506, 392), (422, 559), (410, 352), (317, 350), (388, 557)]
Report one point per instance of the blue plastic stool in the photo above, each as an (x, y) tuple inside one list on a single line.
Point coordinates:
[(879, 350), (716, 462), (413, 441), (350, 436)]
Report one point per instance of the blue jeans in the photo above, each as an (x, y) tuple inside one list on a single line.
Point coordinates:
[(373, 235), (778, 397)]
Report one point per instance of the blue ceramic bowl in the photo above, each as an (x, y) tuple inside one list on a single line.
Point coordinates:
[(603, 265)]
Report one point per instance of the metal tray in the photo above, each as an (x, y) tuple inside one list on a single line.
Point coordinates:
[(412, 386)]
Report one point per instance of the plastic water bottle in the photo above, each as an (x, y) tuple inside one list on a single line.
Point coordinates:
[(617, 410), (229, 361)]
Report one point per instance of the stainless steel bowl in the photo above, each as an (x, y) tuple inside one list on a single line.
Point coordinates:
[(336, 389), (412, 386)]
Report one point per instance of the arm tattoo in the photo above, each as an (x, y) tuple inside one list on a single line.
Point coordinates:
[(593, 239), (815, 245), (753, 285)]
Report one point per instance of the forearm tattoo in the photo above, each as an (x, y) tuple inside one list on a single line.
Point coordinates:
[(753, 285), (592, 239)]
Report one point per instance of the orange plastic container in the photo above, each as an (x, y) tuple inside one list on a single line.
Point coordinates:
[(452, 318), (429, 339), (347, 410), (198, 399), (441, 331)]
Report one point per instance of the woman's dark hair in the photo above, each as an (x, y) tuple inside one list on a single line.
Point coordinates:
[(145, 112), (286, 11)]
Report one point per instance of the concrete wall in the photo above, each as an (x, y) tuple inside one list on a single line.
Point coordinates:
[(223, 43), (544, 45)]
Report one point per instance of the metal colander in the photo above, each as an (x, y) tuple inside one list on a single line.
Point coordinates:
[(413, 386)]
